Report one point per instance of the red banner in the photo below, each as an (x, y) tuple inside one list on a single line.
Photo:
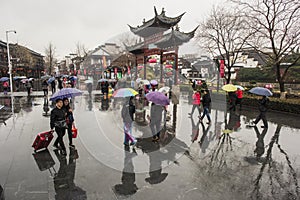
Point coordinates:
[(116, 70), (222, 68), (128, 70)]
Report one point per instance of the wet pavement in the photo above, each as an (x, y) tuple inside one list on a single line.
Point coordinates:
[(227, 159)]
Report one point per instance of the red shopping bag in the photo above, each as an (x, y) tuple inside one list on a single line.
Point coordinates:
[(74, 132)]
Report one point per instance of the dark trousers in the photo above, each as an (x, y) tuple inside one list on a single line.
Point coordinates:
[(28, 91), (70, 133), (206, 113), (60, 137), (261, 116), (53, 89), (194, 107), (45, 92)]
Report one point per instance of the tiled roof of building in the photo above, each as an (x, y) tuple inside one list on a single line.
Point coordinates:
[(159, 23)]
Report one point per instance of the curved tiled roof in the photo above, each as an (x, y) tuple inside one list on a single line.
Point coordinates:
[(175, 38), (159, 23)]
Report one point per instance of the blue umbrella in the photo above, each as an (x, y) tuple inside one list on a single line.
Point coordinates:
[(73, 78), (261, 91), (3, 79), (158, 98), (51, 80), (19, 77), (66, 93)]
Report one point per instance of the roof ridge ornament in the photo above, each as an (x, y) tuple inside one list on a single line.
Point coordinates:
[(155, 11)]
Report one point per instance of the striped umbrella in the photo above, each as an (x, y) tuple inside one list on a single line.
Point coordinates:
[(124, 92)]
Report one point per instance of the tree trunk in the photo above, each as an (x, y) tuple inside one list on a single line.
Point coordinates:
[(282, 91)]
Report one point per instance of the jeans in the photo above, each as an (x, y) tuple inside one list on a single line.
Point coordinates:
[(206, 112)]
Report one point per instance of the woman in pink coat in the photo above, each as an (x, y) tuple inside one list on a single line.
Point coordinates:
[(196, 103)]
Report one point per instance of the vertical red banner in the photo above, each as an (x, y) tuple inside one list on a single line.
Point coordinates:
[(128, 70), (116, 71), (84, 71), (222, 68)]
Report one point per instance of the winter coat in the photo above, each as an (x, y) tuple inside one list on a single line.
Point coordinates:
[(239, 94), (56, 116), (127, 113), (69, 114), (263, 104), (206, 100), (196, 98)]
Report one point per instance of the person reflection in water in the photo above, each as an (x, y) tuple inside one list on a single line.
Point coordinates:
[(260, 145), (128, 186), (195, 130), (64, 179), (90, 103), (46, 106), (204, 141)]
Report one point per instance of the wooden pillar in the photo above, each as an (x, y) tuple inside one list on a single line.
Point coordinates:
[(161, 67), (145, 70), (176, 66), (136, 67)]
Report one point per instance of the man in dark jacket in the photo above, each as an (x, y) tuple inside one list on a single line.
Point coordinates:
[(263, 107), (127, 115), (58, 121), (206, 104)]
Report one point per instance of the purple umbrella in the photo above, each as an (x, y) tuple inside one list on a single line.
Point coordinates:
[(66, 93), (158, 98), (153, 82)]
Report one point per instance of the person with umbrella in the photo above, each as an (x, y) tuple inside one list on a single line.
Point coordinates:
[(127, 112), (69, 119), (45, 87), (5, 87), (28, 87), (58, 121), (155, 120), (53, 85), (239, 95), (263, 107)]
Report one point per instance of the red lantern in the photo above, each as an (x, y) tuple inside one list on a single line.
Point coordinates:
[(169, 66)]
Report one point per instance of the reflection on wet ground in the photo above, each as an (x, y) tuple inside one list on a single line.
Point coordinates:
[(227, 159)]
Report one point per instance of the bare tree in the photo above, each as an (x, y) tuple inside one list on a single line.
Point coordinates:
[(81, 50), (50, 59), (223, 35), (278, 29), (127, 39)]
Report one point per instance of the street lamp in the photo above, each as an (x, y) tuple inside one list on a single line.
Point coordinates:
[(9, 63)]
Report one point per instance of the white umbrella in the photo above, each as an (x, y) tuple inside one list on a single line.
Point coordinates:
[(165, 89)]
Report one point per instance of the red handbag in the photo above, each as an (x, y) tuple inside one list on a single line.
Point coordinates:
[(74, 132)]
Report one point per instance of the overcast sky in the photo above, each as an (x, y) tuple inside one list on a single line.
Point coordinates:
[(90, 22)]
